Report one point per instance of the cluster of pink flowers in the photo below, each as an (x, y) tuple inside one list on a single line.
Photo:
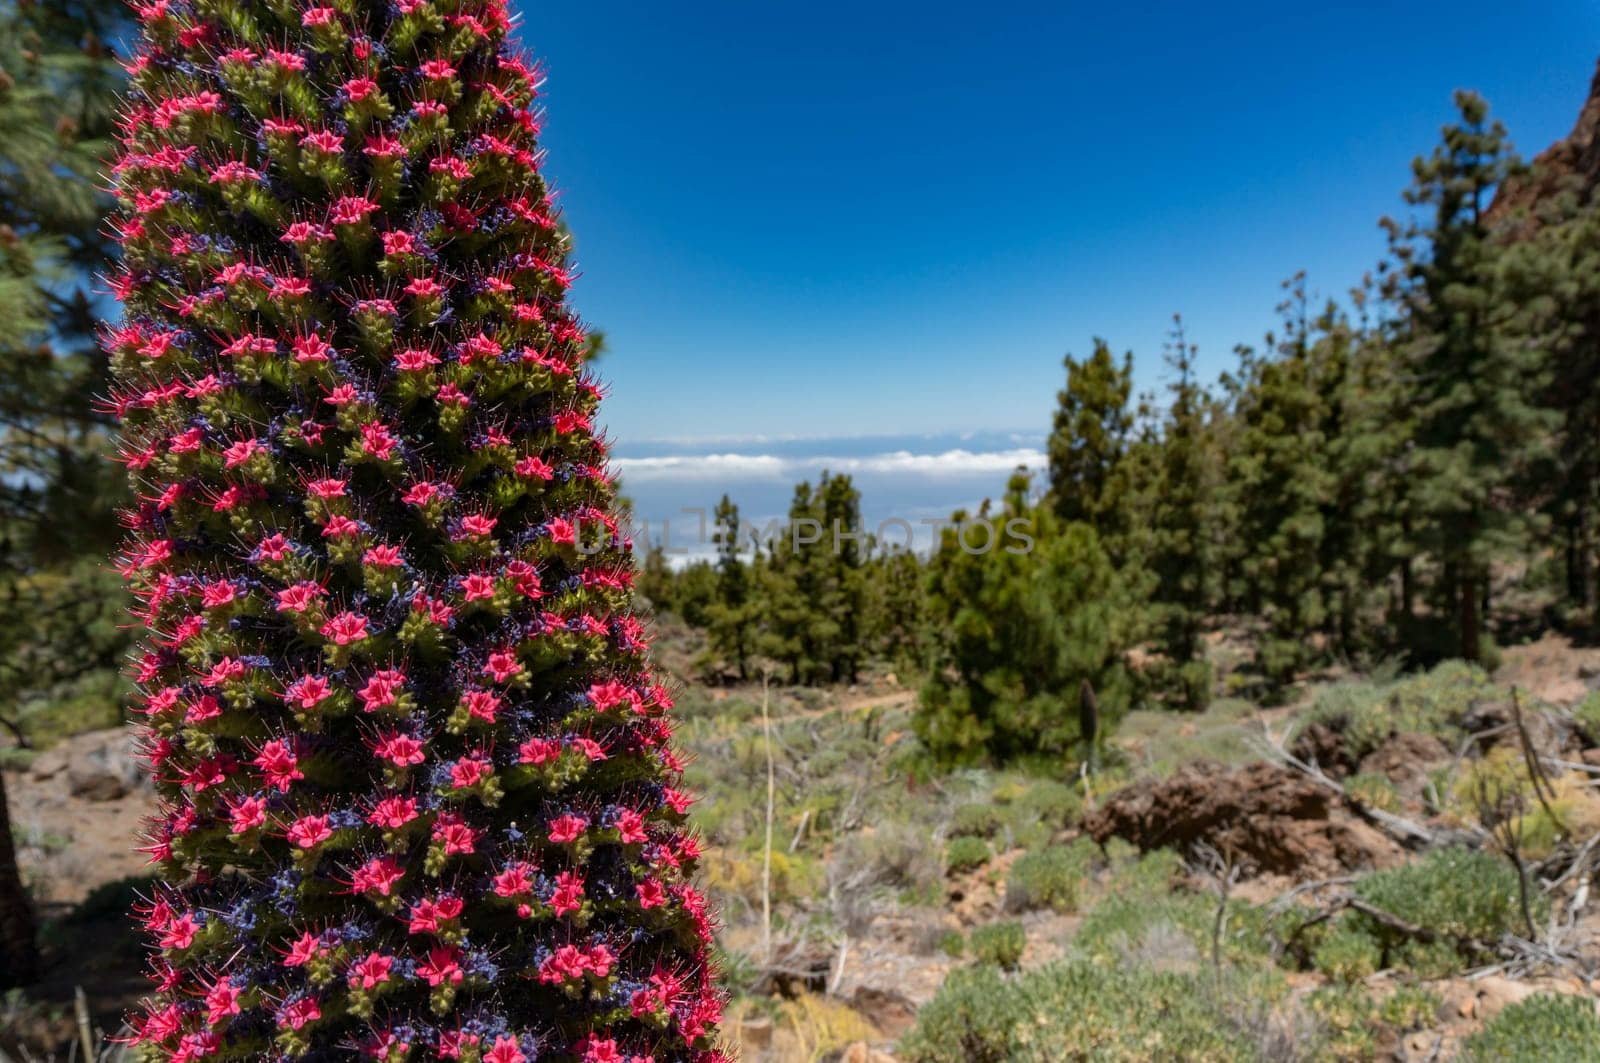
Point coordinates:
[(419, 793)]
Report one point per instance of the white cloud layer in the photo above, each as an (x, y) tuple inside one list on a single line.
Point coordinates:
[(945, 465)]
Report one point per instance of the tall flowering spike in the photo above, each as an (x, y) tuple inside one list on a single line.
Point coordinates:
[(418, 794)]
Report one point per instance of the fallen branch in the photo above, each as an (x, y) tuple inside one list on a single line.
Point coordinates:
[(1405, 831)]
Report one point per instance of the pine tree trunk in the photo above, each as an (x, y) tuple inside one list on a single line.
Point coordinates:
[(1470, 620), (19, 954)]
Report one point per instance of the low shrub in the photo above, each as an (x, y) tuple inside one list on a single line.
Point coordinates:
[(1565, 1029), (1000, 944), (965, 854), (1171, 930), (1347, 953), (1469, 899), (975, 821), (1055, 804), (1373, 791), (1432, 702), (1072, 1011), (1051, 877)]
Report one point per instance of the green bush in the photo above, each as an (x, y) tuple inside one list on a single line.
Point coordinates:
[(1373, 791), (1433, 703), (975, 821), (1469, 899), (1144, 874), (952, 944), (965, 854), (1170, 928), (1347, 953), (1053, 803), (1587, 717), (1050, 877), (1564, 1029), (1072, 1011), (1000, 944)]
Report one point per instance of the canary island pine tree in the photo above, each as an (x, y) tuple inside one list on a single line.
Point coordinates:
[(418, 795)]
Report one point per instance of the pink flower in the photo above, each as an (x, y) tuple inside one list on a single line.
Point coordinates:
[(421, 493), (241, 452), (504, 1050), (328, 487), (377, 875), (437, 70), (371, 971), (383, 556), (305, 949), (217, 594), (222, 1000), (319, 16), (305, 232), (562, 530), (401, 750), (340, 526), (566, 964), (307, 692), (651, 894), (311, 348), (323, 140), (383, 146), (477, 524), (630, 826), (299, 598), (202, 709), (568, 896), (393, 813), (380, 689), (302, 1012), (455, 166), (602, 1050), (415, 360), (351, 210), (502, 665), (398, 242), (377, 440), (359, 89), (481, 705), (274, 547), (608, 695), (566, 828), (469, 771), (246, 814), (515, 880), (427, 914), (309, 831), (278, 764), (451, 832), (477, 587), (180, 933), (534, 467), (346, 628), (442, 965), (539, 750)]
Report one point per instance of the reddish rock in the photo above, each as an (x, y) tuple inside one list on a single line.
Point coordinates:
[(1266, 817)]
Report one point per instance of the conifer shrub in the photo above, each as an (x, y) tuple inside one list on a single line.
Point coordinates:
[(419, 799)]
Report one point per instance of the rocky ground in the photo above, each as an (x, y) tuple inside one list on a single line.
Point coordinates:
[(1270, 810)]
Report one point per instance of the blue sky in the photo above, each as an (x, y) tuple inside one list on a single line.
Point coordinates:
[(829, 218), (887, 219)]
